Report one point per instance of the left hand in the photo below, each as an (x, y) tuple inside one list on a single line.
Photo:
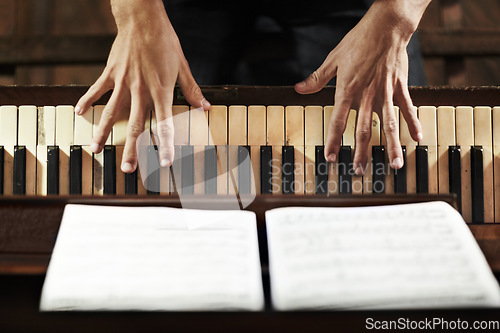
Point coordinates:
[(145, 62)]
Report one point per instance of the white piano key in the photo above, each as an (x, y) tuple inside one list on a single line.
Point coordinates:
[(83, 128), (333, 176), (256, 139), (496, 160), (313, 137), (427, 117), (465, 139), (237, 137), (446, 138), (64, 139), (98, 109), (46, 136), (483, 137), (217, 123), (374, 141), (27, 133), (276, 139), (46, 125), (348, 139), (296, 129), (406, 140), (389, 176), (198, 139), (8, 139)]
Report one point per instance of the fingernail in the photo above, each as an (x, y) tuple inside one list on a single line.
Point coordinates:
[(420, 136), (165, 162), (78, 109), (206, 104), (331, 158), (94, 147), (301, 84), (127, 167), (397, 163), (359, 171)]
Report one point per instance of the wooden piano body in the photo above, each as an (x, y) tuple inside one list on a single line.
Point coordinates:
[(29, 225)]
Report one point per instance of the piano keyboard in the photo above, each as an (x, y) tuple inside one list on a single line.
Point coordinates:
[(46, 150), (254, 149)]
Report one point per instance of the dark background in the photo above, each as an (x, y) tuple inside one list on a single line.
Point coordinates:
[(67, 42)]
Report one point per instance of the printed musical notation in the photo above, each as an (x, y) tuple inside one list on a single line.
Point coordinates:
[(154, 258), (405, 256)]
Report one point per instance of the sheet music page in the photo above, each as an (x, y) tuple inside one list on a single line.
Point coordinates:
[(154, 258), (404, 256)]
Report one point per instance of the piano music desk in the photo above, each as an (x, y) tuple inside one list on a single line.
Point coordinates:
[(28, 228)]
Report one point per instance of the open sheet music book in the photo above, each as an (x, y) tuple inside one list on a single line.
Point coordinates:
[(394, 257), (154, 258), (157, 258)]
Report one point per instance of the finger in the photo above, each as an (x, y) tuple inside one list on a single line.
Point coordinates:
[(336, 128), (319, 78), (391, 130), (165, 127), (363, 135), (135, 128), (409, 111), (99, 88), (108, 117), (190, 89)]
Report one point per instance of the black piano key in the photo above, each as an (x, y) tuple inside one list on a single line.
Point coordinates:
[(1, 168), (210, 170), (288, 169), (266, 170), (476, 166), (400, 176), (109, 170), (454, 171), (19, 176), (378, 169), (53, 170), (344, 167), (422, 165), (244, 170), (131, 183), (75, 170), (321, 171), (153, 173), (187, 169)]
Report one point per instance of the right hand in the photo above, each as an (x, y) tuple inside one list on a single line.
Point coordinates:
[(371, 65), (145, 62)]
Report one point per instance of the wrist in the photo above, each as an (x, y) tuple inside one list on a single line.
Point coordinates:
[(399, 16), (137, 14)]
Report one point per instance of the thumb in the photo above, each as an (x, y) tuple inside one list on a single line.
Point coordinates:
[(317, 80)]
